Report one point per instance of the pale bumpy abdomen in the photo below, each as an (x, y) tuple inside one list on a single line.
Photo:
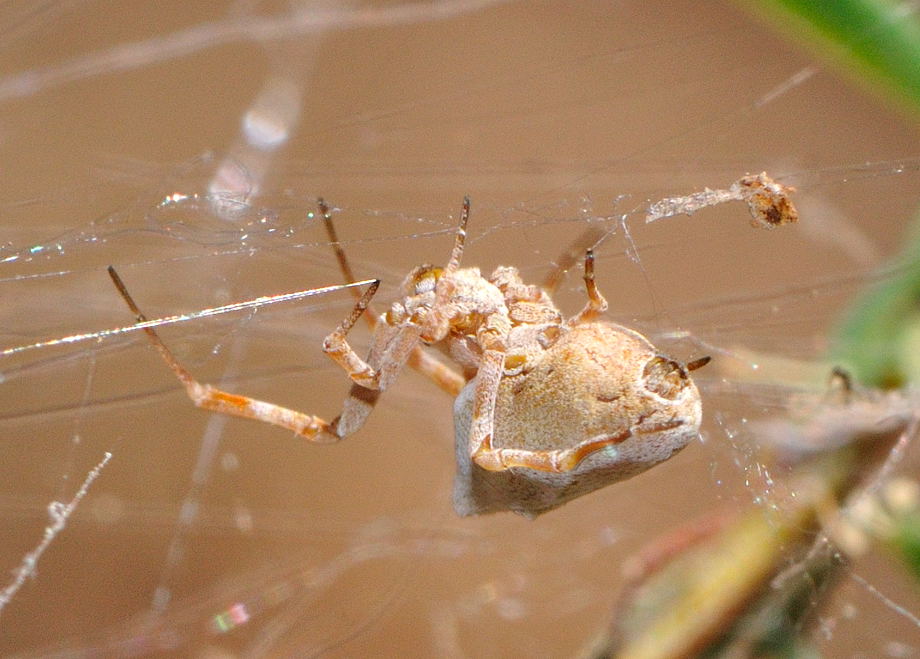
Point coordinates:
[(599, 380)]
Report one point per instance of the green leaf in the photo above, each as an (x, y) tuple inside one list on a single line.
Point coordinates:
[(877, 40)]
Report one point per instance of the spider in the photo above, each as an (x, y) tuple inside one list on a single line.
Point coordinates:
[(547, 409)]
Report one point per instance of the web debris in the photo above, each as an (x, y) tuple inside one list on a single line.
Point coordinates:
[(767, 200), (59, 514), (255, 303)]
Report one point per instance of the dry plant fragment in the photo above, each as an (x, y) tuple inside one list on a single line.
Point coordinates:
[(737, 583), (768, 201)]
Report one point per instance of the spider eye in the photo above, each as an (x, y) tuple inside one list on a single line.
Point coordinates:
[(513, 362), (664, 377), (425, 279)]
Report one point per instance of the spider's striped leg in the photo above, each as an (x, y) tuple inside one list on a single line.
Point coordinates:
[(390, 351), (211, 398), (589, 239), (437, 371), (336, 346), (425, 363), (557, 461), (482, 425), (488, 379), (596, 304)]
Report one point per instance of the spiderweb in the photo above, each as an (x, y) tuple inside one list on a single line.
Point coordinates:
[(186, 144)]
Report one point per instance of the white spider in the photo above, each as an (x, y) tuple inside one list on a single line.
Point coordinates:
[(547, 409)]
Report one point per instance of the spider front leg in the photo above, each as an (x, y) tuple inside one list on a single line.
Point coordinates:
[(393, 344), (482, 426), (596, 304), (429, 366), (392, 348), (488, 379), (205, 396)]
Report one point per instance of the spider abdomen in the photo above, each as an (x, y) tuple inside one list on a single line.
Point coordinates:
[(598, 381)]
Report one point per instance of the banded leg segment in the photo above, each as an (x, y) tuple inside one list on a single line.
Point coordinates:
[(205, 396), (558, 461), (428, 365), (589, 239), (336, 346), (310, 427), (596, 304), (482, 425)]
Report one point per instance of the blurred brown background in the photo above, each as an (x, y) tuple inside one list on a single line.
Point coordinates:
[(121, 124)]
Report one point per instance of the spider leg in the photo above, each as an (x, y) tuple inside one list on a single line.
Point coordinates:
[(590, 238), (488, 379), (392, 348), (394, 345), (205, 396), (388, 340), (482, 425), (437, 323), (557, 461), (437, 371), (428, 365), (456, 254), (596, 304)]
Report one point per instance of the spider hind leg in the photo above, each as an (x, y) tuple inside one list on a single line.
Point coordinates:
[(206, 396)]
